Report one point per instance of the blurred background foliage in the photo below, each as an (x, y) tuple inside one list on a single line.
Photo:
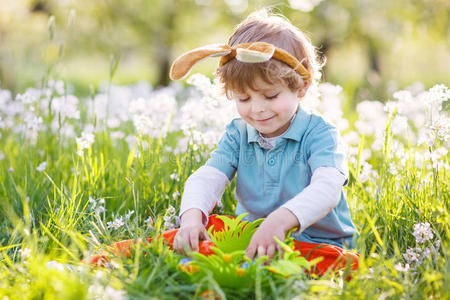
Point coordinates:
[(373, 47)]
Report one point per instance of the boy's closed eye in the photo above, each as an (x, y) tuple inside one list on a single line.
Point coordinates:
[(243, 98), (272, 96)]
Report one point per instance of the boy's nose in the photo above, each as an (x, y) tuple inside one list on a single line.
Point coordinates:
[(258, 106)]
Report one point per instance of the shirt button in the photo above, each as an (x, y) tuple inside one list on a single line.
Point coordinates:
[(271, 162)]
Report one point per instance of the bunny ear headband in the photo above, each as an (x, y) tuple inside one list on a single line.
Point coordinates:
[(256, 52)]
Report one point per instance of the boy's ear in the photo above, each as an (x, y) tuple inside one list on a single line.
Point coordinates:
[(302, 91), (183, 64)]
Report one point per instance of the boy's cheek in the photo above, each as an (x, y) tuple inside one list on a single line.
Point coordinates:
[(242, 111)]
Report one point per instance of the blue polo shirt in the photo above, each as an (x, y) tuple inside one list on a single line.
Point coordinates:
[(268, 179)]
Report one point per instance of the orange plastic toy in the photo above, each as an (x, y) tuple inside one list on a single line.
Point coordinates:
[(334, 258)]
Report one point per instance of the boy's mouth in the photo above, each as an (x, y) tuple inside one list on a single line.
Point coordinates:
[(264, 120)]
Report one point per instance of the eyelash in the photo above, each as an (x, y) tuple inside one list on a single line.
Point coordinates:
[(267, 97), (272, 97)]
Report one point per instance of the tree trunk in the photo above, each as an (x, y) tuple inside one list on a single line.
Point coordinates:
[(164, 50)]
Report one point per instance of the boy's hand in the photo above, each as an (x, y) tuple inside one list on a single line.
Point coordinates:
[(191, 232), (276, 224)]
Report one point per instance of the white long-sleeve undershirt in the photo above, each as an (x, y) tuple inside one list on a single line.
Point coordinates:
[(204, 188), (317, 199)]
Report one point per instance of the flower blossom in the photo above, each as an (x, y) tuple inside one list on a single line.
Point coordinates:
[(412, 255), (116, 224), (304, 5), (41, 166), (97, 291), (33, 122), (56, 265), (399, 267), (175, 177), (175, 195), (422, 232), (86, 140), (24, 254), (149, 221), (171, 220)]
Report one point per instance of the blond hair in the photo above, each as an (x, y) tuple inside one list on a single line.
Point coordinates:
[(265, 26)]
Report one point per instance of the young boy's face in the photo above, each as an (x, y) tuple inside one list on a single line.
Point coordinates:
[(269, 108)]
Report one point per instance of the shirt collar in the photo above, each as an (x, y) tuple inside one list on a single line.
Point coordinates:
[(294, 132)]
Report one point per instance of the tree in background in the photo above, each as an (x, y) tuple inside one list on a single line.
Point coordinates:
[(362, 38), (379, 28)]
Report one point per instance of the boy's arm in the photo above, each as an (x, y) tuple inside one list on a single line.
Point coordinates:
[(202, 190), (191, 231), (306, 208), (318, 198), (277, 224)]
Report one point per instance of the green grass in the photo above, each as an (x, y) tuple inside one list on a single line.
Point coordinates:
[(50, 214)]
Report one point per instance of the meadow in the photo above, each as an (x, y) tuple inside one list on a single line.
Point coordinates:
[(78, 174)]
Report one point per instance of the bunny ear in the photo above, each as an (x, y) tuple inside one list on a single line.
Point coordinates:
[(254, 52), (184, 63)]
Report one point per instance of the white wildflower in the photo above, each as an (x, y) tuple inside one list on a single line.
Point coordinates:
[(149, 221), (304, 5), (93, 202), (128, 215), (56, 265), (171, 210), (29, 97), (95, 291), (171, 221), (86, 140), (168, 224), (100, 210), (113, 122), (372, 117), (116, 224), (204, 115), (113, 294), (41, 166), (422, 232), (392, 169), (116, 134), (99, 274), (175, 195), (412, 255), (402, 268), (152, 116), (66, 107), (175, 177), (33, 122), (25, 253), (437, 95), (57, 86), (142, 123), (441, 128), (366, 172), (427, 137)]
